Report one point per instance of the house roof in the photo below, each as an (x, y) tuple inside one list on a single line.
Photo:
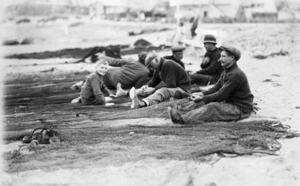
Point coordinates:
[(188, 2), (203, 2), (137, 4)]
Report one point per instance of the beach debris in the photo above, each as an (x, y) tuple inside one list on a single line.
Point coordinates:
[(24, 20), (267, 80), (10, 42), (26, 41), (50, 70), (260, 56), (146, 31), (142, 43), (273, 54), (42, 135)]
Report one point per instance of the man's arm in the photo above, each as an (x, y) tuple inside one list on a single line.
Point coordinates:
[(142, 81), (155, 80), (223, 93), (114, 62), (170, 76), (211, 69), (97, 91), (105, 90)]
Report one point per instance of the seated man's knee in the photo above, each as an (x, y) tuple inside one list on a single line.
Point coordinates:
[(162, 90), (212, 105)]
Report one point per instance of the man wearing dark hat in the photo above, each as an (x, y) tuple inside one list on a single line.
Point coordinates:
[(229, 99), (177, 54), (126, 74), (173, 81), (210, 67)]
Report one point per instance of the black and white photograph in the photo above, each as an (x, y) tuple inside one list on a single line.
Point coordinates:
[(152, 93)]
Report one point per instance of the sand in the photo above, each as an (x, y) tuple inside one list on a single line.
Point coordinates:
[(274, 82)]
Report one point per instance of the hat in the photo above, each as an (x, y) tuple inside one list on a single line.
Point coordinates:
[(177, 48), (149, 58), (142, 56), (233, 51), (210, 39)]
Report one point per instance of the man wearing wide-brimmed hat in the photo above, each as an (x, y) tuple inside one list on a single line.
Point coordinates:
[(229, 99), (210, 67)]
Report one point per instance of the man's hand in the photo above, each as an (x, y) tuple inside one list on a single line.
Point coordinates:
[(112, 96), (197, 97), (108, 99), (205, 61), (100, 54), (144, 87)]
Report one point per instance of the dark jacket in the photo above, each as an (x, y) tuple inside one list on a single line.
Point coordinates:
[(129, 73), (232, 87), (214, 67), (94, 90), (176, 60), (171, 75)]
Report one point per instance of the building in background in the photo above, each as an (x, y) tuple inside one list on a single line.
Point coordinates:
[(45, 8), (223, 11), (226, 11), (132, 9), (260, 11), (208, 10)]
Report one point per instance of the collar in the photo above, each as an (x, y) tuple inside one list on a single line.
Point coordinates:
[(214, 50), (231, 68), (162, 61), (98, 74)]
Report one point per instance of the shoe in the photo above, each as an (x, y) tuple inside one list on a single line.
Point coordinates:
[(77, 86), (76, 100), (175, 116), (120, 92), (135, 100)]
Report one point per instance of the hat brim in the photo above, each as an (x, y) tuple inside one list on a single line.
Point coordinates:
[(214, 42), (236, 56), (178, 50)]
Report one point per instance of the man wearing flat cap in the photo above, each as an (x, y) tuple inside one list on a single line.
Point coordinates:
[(177, 54), (228, 100), (210, 67), (173, 81)]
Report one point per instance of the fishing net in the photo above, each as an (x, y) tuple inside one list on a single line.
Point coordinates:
[(121, 132)]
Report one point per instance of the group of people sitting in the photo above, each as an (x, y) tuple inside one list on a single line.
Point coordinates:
[(158, 79)]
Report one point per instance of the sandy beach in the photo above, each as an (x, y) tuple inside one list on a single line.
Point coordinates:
[(274, 81)]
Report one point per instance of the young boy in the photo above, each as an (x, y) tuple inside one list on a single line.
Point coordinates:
[(94, 89)]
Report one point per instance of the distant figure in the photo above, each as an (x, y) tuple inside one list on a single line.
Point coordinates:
[(94, 90), (211, 69), (179, 35), (229, 99), (195, 22)]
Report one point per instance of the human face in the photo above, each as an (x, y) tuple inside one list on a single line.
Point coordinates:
[(209, 46), (226, 60), (102, 68), (178, 55), (154, 64)]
